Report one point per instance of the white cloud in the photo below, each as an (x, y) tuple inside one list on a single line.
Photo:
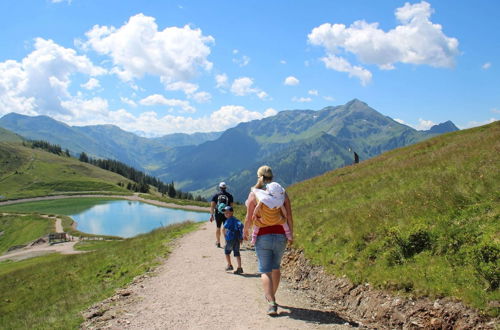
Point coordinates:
[(202, 97), (342, 65), (91, 84), (291, 81), (401, 121), (479, 123), (282, 62), (329, 98), (157, 99), (486, 65), (138, 48), (243, 86), (415, 41), (39, 83), (313, 92), (59, 1), (301, 99), (83, 110), (128, 101), (424, 125), (221, 81), (270, 112), (223, 118), (187, 88), (242, 61)]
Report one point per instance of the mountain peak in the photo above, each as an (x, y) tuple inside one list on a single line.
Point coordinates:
[(446, 127)]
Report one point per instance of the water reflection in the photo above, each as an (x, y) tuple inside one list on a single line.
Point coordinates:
[(130, 218)]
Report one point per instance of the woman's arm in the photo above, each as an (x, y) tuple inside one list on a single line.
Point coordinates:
[(251, 203)]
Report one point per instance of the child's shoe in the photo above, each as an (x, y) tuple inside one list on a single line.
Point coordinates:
[(229, 267), (238, 271)]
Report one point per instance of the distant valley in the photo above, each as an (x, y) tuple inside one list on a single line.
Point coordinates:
[(298, 144)]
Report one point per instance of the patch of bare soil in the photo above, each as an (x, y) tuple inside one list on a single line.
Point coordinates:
[(376, 308)]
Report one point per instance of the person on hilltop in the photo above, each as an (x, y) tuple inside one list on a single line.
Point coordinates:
[(234, 237), (271, 237), (219, 201)]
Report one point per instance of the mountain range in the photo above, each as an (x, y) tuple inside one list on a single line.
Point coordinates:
[(298, 144)]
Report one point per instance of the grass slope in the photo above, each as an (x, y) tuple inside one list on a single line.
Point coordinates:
[(49, 292), (18, 230), (422, 219), (8, 136), (26, 172)]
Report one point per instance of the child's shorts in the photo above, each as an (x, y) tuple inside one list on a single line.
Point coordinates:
[(233, 245)]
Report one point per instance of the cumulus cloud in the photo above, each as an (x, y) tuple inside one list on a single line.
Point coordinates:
[(291, 81), (244, 86), (223, 118), (91, 84), (128, 101), (486, 66), (202, 97), (157, 99), (313, 92), (416, 40), (301, 99), (480, 123), (39, 83), (221, 81), (424, 125), (138, 48)]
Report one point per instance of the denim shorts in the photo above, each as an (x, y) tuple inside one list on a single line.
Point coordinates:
[(270, 249), (233, 245)]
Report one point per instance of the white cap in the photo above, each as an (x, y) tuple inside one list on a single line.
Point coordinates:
[(222, 185)]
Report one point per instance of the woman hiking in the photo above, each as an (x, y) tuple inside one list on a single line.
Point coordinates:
[(271, 238)]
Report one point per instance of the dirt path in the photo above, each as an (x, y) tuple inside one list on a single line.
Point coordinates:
[(38, 250), (192, 290), (130, 198)]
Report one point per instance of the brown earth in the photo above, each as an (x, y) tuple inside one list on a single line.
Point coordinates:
[(376, 308)]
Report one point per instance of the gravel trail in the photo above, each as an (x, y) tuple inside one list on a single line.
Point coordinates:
[(191, 290)]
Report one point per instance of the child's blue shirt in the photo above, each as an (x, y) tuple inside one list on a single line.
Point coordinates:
[(234, 229)]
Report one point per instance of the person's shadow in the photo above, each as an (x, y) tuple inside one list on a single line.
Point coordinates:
[(313, 316)]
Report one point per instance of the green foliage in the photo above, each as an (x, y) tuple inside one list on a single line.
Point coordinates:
[(21, 230), (49, 292), (421, 219), (26, 172)]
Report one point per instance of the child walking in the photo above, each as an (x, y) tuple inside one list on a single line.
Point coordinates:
[(234, 237)]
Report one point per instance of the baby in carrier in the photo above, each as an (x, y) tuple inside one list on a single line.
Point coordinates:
[(270, 201)]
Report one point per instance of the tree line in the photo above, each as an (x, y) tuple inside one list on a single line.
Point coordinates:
[(142, 181), (44, 145)]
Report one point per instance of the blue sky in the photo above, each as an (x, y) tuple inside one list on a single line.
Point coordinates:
[(159, 67)]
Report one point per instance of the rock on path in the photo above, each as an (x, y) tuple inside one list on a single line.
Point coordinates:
[(191, 290)]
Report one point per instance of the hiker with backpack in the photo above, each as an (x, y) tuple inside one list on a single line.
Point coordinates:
[(219, 201), (234, 237), (271, 237)]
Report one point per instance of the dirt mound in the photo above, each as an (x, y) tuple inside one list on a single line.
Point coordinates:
[(375, 308)]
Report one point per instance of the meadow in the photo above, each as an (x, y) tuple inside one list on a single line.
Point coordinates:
[(26, 172), (421, 220), (49, 292), (20, 230)]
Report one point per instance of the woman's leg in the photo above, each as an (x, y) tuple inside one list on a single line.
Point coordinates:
[(275, 281), (267, 285)]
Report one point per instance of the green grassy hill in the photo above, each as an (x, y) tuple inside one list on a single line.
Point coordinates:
[(26, 172), (422, 219), (8, 136)]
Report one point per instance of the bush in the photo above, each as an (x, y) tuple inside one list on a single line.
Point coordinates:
[(485, 259)]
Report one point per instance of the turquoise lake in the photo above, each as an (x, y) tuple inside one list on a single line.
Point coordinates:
[(130, 218)]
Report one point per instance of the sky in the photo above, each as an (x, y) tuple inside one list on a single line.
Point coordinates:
[(158, 67)]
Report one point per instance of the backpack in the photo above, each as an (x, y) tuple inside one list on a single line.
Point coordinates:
[(222, 202)]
